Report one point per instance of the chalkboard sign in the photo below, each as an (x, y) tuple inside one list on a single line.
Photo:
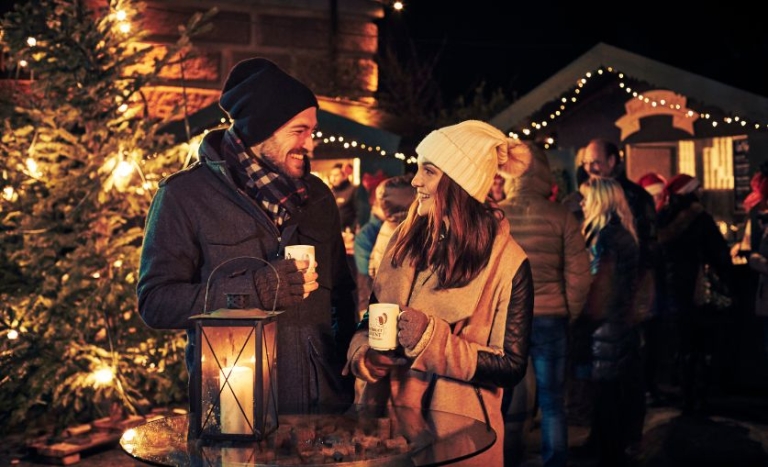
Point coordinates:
[(741, 176)]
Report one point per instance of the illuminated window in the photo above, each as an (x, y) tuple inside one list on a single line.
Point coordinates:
[(718, 165)]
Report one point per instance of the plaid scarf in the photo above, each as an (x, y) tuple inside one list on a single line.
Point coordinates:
[(279, 194)]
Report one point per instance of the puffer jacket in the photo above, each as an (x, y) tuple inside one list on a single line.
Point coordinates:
[(199, 221), (478, 344), (610, 304), (551, 237)]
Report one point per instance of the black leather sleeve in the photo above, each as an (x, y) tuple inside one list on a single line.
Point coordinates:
[(508, 369)]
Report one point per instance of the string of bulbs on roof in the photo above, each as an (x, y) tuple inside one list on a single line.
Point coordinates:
[(572, 98)]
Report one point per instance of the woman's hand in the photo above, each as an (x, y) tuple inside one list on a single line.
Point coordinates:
[(380, 363)]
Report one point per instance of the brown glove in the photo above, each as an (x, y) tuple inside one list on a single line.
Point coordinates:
[(291, 288), (411, 326)]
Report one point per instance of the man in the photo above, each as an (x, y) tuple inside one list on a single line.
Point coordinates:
[(212, 227), (344, 191), (551, 237), (601, 159)]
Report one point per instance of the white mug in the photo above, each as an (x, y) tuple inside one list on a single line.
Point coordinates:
[(302, 253), (382, 325)]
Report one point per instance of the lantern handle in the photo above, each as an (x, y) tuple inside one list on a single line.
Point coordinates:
[(210, 276)]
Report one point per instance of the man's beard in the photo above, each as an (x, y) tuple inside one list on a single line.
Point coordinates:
[(269, 151)]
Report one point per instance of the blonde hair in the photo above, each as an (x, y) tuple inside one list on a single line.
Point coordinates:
[(603, 199)]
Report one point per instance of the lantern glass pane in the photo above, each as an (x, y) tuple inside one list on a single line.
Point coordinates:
[(228, 361)]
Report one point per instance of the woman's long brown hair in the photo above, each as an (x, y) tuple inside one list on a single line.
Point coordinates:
[(456, 254)]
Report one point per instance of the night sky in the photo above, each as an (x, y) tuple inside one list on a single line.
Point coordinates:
[(517, 45)]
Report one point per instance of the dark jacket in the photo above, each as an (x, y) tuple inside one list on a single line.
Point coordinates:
[(198, 221), (610, 304), (689, 236), (346, 199)]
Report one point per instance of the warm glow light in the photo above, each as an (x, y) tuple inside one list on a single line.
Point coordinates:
[(32, 168), (129, 435), (123, 169), (13, 334), (125, 28), (103, 376), (9, 194), (398, 6), (118, 263), (121, 15), (31, 41)]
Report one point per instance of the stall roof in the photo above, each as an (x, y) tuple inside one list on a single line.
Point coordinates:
[(745, 104), (354, 121)]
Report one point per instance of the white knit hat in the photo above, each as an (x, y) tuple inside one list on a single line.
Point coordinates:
[(470, 153)]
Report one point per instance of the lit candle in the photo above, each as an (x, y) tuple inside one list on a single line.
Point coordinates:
[(239, 388)]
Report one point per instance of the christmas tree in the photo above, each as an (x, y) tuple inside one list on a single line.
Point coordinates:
[(80, 156)]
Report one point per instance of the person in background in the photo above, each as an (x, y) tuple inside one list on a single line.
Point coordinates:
[(756, 206), (344, 191), (363, 246), (572, 200), (551, 237), (365, 195), (397, 196), (758, 261), (497, 189), (654, 326), (602, 159), (654, 184), (463, 284), (616, 363), (689, 236), (229, 216)]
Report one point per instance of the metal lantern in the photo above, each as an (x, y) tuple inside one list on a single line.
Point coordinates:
[(235, 377)]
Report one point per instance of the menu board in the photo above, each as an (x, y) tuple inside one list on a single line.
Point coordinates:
[(741, 176)]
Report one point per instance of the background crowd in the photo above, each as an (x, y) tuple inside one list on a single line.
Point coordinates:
[(490, 271)]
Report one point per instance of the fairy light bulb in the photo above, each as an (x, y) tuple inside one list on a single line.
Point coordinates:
[(103, 376)]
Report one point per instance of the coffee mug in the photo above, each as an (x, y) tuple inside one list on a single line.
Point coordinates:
[(382, 325), (302, 253)]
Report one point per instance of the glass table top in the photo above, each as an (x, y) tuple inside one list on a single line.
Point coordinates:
[(360, 436)]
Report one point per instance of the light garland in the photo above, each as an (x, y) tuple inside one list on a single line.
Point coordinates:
[(572, 98)]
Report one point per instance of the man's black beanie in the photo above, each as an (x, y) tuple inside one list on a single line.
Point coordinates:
[(260, 98)]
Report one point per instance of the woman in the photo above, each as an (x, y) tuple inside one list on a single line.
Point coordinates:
[(615, 348), (463, 284)]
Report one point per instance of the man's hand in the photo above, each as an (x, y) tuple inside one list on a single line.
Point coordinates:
[(295, 283)]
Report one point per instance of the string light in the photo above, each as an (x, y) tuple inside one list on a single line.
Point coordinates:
[(582, 82)]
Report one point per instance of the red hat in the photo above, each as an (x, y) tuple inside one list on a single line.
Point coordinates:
[(682, 184), (652, 182)]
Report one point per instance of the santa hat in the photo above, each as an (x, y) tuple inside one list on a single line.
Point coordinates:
[(682, 184), (653, 183), (470, 153)]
